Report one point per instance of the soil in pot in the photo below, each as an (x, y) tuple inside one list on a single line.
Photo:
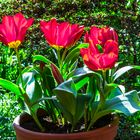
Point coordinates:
[(51, 127)]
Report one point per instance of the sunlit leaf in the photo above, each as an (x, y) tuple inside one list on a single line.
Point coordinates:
[(10, 86), (123, 70)]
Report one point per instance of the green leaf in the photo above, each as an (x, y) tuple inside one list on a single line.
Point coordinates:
[(32, 86), (10, 86), (72, 103), (72, 70), (115, 93), (74, 52), (81, 83), (128, 104), (81, 73), (68, 86), (82, 101), (67, 115), (92, 87), (41, 58), (66, 94), (110, 87), (48, 80), (123, 70), (73, 55)]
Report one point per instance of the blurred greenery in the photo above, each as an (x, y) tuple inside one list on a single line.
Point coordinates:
[(123, 15)]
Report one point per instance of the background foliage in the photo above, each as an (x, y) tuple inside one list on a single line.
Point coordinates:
[(123, 15)]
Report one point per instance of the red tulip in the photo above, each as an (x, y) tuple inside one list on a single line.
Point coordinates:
[(61, 35), (13, 29), (96, 60), (101, 35), (105, 39)]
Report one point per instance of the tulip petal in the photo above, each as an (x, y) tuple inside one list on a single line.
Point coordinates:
[(13, 29), (105, 37), (61, 35)]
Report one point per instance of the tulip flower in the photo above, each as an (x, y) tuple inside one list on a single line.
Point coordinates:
[(61, 35), (102, 52), (96, 60), (13, 29), (101, 35)]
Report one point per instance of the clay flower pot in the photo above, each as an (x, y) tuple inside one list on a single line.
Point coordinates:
[(107, 132)]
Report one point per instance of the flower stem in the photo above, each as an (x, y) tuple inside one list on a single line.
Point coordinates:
[(19, 65), (37, 121), (85, 115), (63, 55), (26, 97), (59, 58), (104, 78)]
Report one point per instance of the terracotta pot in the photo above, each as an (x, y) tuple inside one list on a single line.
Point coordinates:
[(105, 133)]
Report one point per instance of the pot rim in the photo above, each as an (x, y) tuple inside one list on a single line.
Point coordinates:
[(114, 125)]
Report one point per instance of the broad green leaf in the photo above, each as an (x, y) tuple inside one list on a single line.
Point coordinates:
[(82, 101), (122, 88), (123, 70), (48, 80), (67, 115), (66, 94), (115, 93), (67, 86), (72, 103), (27, 69), (67, 100), (10, 86), (81, 73), (32, 86), (127, 104)]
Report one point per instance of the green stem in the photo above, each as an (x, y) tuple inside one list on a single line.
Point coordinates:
[(37, 121), (27, 101), (94, 117), (63, 55), (19, 65), (59, 58), (85, 115), (62, 59), (104, 78), (72, 129), (26, 98)]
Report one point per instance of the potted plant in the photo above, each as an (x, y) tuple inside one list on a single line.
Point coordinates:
[(62, 99)]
